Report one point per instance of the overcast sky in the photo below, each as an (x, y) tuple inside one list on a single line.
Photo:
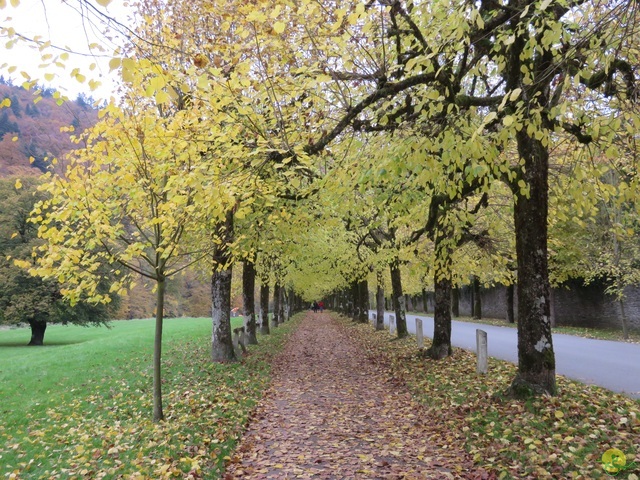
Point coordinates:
[(62, 23)]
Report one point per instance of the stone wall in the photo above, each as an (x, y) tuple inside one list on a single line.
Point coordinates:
[(573, 305)]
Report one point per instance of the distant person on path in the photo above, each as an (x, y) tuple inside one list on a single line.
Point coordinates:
[(314, 307), (321, 306)]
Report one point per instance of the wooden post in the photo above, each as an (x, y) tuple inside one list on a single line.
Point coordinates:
[(419, 334), (392, 324), (481, 345)]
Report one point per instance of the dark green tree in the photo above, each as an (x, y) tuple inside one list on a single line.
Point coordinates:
[(25, 299)]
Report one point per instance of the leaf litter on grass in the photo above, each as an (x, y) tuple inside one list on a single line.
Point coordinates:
[(563, 436), (109, 434)]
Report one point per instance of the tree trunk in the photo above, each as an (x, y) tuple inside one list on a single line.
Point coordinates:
[(221, 339), (510, 311), (409, 303), (397, 298), (355, 301), (363, 301), (282, 315), (158, 414), (477, 299), (249, 301), (455, 302), (536, 360), (37, 332), (276, 304), (425, 300), (264, 307), (380, 301), (441, 345)]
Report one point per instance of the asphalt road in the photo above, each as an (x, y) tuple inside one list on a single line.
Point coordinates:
[(612, 365)]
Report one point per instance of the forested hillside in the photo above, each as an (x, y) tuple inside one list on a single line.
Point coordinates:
[(35, 127)]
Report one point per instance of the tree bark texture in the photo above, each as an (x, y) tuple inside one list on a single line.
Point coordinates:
[(264, 307), (363, 301), (425, 300), (37, 332), (158, 414), (282, 313), (249, 301), (276, 304), (408, 301), (397, 298), (380, 301), (455, 302), (536, 360), (221, 339), (355, 301), (441, 345)]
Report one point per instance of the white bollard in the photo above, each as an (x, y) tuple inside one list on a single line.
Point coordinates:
[(392, 324), (373, 318), (481, 345), (419, 334)]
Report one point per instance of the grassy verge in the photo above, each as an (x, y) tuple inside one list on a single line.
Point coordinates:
[(81, 407), (549, 437)]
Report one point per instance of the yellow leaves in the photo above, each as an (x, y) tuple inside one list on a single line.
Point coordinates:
[(613, 460), (544, 5), (490, 117), (128, 68), (256, 15), (115, 63), (515, 93), (200, 60), (5, 102), (18, 184), (75, 73), (278, 27)]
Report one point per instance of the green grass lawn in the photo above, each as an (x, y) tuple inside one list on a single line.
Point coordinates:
[(80, 406)]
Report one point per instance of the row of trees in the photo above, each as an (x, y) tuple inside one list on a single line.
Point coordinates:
[(327, 142)]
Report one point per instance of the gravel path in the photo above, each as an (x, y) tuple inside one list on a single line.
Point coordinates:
[(332, 414)]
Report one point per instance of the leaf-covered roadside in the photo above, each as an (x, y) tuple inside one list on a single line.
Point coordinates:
[(110, 434), (548, 437)]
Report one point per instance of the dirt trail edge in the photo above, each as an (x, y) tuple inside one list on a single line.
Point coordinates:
[(331, 413)]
